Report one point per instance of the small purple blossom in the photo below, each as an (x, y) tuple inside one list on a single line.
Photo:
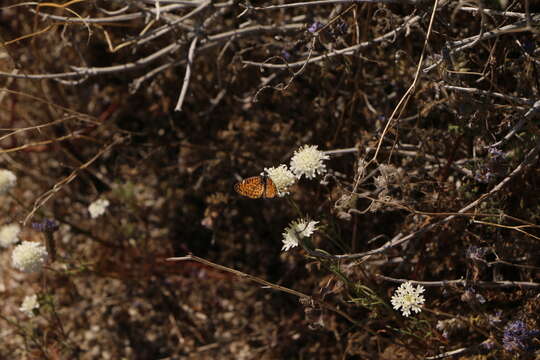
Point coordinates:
[(286, 55), (340, 29), (47, 225), (495, 319), (314, 27), (496, 154), (493, 167), (517, 337), (476, 253), (488, 344), (485, 177), (471, 296), (529, 46)]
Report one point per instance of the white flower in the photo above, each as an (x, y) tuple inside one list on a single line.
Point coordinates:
[(308, 161), (29, 304), (282, 177), (297, 230), (29, 256), (98, 207), (408, 298), (9, 234), (7, 180)]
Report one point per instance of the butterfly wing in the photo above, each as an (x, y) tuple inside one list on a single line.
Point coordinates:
[(270, 189), (252, 187)]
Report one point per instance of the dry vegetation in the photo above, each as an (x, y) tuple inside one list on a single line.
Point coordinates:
[(160, 107)]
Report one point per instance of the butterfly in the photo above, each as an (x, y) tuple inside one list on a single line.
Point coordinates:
[(256, 187)]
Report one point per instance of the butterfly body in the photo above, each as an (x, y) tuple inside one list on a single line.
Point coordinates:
[(256, 187)]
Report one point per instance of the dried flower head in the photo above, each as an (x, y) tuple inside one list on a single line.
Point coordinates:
[(29, 256), (408, 298), (517, 337), (471, 296), (451, 327), (282, 177), (9, 234), (7, 180), (98, 207), (29, 304), (390, 175), (308, 161), (297, 230)]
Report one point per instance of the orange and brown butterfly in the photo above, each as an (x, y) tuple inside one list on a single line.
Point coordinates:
[(256, 187)]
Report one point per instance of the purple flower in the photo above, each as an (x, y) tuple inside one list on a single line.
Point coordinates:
[(340, 29), (488, 344), (517, 337), (47, 225), (493, 167), (485, 176), (495, 319), (286, 55), (314, 27), (470, 295), (476, 253), (529, 46), (496, 153)]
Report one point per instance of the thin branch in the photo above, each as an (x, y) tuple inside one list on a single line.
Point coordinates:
[(465, 283), (112, 19), (509, 98), (405, 99), (264, 283), (136, 84), (212, 41), (42, 199), (459, 351), (535, 109), (187, 75), (330, 2), (398, 240), (351, 50), (495, 12), (38, 143), (519, 26), (172, 25), (463, 44)]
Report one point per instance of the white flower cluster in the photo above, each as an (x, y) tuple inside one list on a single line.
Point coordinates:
[(29, 304), (297, 230), (7, 180), (98, 207), (29, 256), (9, 234), (308, 161), (408, 298), (282, 178)]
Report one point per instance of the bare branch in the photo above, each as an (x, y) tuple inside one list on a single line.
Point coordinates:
[(529, 159), (187, 75), (465, 283), (346, 51)]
